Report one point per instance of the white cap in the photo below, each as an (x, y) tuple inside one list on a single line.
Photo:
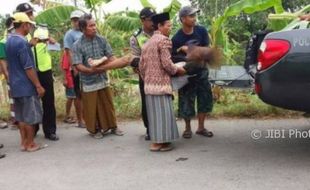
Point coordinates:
[(76, 14)]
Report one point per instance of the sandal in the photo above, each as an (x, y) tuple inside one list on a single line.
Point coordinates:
[(117, 132), (36, 148), (155, 147), (187, 134), (166, 147), (205, 133), (22, 148), (2, 156), (81, 125), (69, 120)]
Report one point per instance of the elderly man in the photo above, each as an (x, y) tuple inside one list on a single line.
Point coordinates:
[(98, 108)]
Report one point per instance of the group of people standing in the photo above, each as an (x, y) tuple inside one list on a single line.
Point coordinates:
[(27, 66), (86, 59)]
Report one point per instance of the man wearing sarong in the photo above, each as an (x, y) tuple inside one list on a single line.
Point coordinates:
[(97, 102)]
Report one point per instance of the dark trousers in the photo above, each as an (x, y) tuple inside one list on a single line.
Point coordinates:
[(143, 107), (48, 103)]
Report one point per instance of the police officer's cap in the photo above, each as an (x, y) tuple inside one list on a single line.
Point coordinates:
[(24, 7), (147, 12)]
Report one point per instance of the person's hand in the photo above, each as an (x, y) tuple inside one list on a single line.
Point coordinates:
[(34, 41), (65, 83), (51, 40), (75, 71), (40, 91), (90, 61), (6, 75), (181, 71), (184, 49), (305, 17), (97, 62)]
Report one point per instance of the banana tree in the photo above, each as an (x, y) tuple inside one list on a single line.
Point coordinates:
[(95, 5), (57, 19), (129, 21), (246, 6), (219, 32), (45, 4)]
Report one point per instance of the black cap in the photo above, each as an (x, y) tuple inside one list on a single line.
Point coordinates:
[(147, 12), (187, 10), (158, 18), (24, 7)]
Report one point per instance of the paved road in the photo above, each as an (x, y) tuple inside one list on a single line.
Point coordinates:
[(230, 160)]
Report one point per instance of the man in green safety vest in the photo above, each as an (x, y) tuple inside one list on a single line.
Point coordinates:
[(136, 42), (43, 62)]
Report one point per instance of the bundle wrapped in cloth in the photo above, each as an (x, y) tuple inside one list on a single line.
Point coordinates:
[(198, 58)]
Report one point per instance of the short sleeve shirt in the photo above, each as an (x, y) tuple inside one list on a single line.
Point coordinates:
[(70, 37), (94, 48), (19, 58), (199, 37)]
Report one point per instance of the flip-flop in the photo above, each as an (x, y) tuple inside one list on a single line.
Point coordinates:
[(4, 125), (205, 133), (155, 149), (2, 156), (81, 125), (69, 120), (166, 148), (117, 132), (22, 148), (34, 149), (187, 134)]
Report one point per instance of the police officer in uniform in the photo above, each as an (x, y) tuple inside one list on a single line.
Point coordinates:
[(136, 42)]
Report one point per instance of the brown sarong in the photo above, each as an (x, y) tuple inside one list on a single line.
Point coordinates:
[(98, 110)]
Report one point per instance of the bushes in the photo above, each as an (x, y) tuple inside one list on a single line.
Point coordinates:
[(232, 103)]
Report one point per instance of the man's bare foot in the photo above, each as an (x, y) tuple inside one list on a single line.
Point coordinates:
[(35, 147), (23, 147)]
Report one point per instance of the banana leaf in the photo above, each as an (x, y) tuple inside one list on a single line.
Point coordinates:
[(287, 21), (123, 23), (56, 17), (173, 8), (246, 6), (146, 3)]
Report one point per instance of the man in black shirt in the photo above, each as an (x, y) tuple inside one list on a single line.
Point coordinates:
[(198, 87)]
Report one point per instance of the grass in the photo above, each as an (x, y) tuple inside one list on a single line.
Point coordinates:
[(230, 104), (246, 104)]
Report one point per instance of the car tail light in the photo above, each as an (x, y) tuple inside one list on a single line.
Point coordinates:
[(270, 52)]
